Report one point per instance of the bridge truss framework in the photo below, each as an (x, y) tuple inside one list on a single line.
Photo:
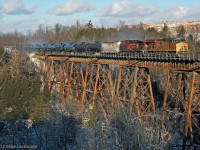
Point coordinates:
[(108, 82)]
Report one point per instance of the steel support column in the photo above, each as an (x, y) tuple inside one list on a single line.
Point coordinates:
[(192, 109), (130, 83), (105, 88), (165, 98), (144, 93)]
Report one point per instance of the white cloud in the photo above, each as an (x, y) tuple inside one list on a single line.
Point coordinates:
[(15, 7), (127, 9), (133, 13), (71, 7), (180, 12), (21, 25)]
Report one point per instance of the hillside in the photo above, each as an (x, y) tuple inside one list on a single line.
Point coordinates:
[(191, 27)]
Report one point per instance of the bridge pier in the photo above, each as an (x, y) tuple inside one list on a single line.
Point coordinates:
[(133, 86), (98, 88)]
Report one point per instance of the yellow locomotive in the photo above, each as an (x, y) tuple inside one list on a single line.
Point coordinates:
[(166, 45)]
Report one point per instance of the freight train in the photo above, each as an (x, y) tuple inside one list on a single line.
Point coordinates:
[(152, 45)]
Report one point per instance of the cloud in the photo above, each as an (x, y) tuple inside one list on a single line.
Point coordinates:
[(132, 13), (15, 7), (71, 7), (108, 16), (21, 25), (127, 9), (180, 12)]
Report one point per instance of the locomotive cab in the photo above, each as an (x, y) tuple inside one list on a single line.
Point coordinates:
[(181, 47)]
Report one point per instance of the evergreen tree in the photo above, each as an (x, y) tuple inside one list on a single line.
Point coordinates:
[(181, 32), (165, 30), (190, 39), (152, 33)]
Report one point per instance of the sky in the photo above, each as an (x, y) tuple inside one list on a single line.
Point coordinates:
[(26, 15)]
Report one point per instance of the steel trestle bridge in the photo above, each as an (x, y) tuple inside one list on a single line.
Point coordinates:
[(106, 78)]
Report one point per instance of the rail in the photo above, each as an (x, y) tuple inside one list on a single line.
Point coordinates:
[(153, 56)]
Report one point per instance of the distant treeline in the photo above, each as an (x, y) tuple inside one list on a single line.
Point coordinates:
[(89, 33)]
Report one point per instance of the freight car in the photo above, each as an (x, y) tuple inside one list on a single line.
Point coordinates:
[(68, 47), (110, 47), (87, 47)]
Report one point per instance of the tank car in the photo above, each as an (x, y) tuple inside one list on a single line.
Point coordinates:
[(58, 47), (50, 49), (68, 47), (93, 47), (80, 47)]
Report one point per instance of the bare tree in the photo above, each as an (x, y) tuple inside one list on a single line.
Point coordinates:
[(58, 30)]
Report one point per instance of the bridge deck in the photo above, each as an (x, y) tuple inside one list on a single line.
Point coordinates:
[(170, 61)]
